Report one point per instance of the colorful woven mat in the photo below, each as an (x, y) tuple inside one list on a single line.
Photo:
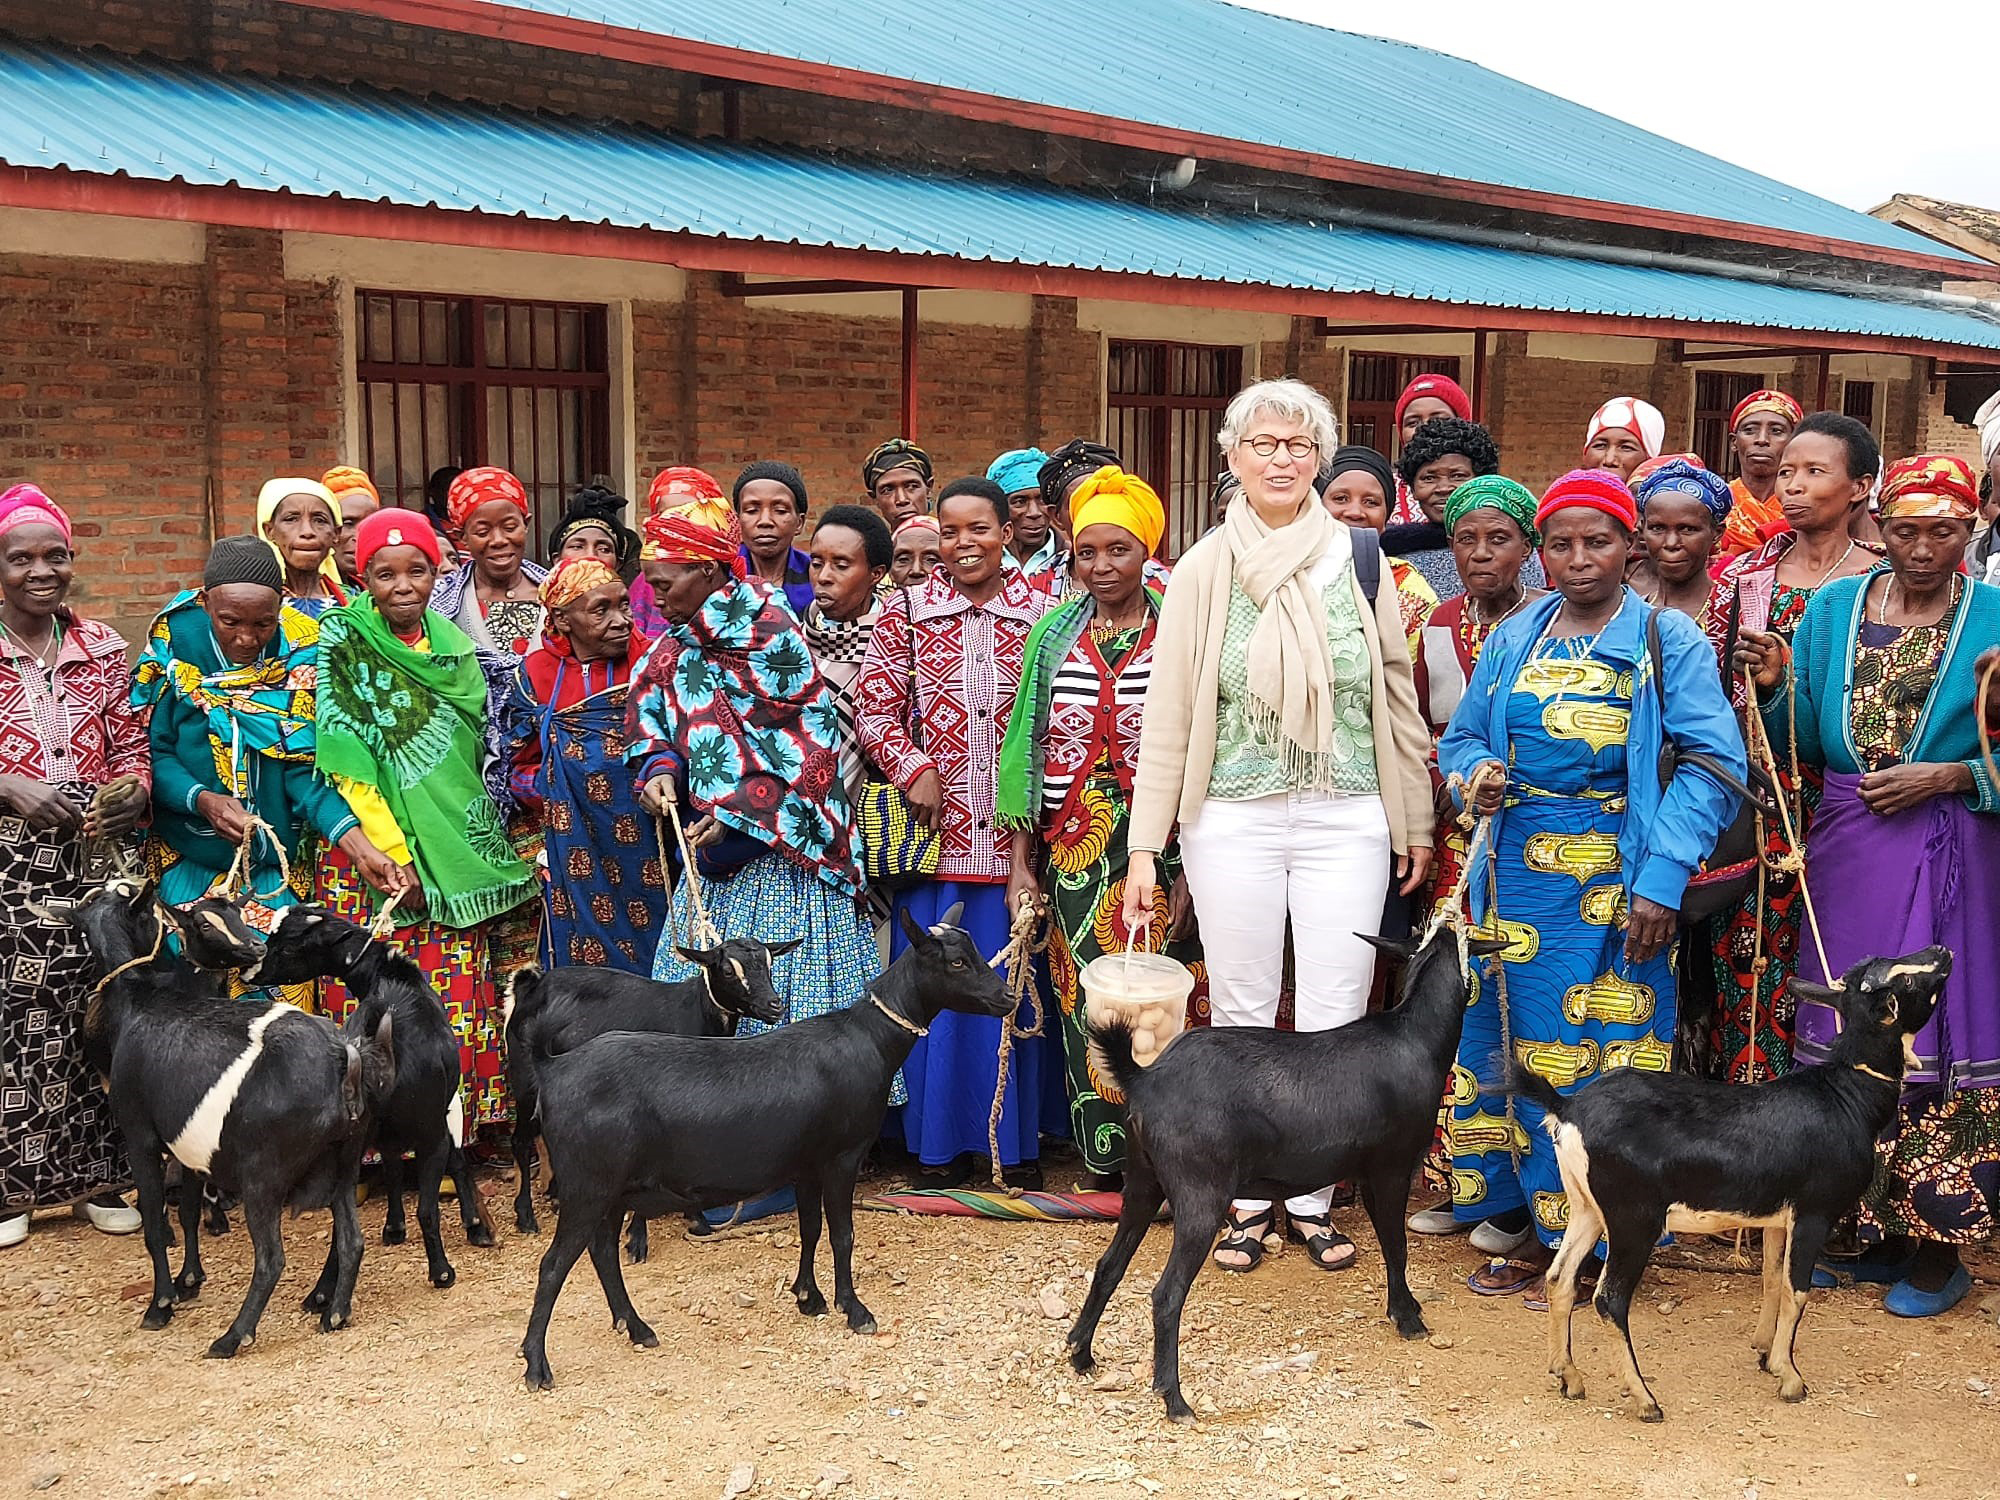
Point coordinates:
[(967, 1203)]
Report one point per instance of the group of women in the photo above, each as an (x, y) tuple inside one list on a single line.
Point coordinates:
[(673, 732)]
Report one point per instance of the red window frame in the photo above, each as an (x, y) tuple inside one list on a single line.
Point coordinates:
[(1164, 404), (456, 381)]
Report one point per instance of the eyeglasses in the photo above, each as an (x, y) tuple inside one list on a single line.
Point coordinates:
[(1266, 446)]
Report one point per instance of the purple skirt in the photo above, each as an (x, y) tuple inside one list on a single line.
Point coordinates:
[(1884, 886)]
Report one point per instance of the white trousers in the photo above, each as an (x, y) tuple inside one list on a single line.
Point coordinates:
[(1324, 861)]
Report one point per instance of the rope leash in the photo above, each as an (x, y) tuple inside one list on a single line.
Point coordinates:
[(1017, 958), (702, 933), (1987, 674), (385, 919), (1451, 912), (236, 881), (1793, 861)]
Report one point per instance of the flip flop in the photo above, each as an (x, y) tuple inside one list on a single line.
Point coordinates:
[(1505, 1278)]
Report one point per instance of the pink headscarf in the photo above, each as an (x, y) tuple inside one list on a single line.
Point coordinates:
[(26, 505)]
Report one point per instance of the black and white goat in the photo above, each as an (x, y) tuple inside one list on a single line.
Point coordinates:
[(660, 1124), (564, 1008), (424, 1113), (1642, 1153), (1232, 1112), (270, 1102)]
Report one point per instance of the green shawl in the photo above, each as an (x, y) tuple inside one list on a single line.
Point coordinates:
[(411, 724), (1018, 800)]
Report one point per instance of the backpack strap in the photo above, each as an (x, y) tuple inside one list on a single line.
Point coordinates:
[(1367, 560)]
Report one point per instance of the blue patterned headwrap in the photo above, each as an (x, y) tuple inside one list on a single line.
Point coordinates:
[(1678, 476), (1018, 469)]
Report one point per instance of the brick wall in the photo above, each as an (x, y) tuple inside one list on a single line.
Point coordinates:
[(1539, 408)]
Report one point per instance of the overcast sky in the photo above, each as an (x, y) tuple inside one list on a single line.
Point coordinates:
[(1848, 101)]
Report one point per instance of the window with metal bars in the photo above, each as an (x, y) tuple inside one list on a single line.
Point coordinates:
[(453, 382), (1164, 408), (1374, 381), (1716, 393), (1857, 400)]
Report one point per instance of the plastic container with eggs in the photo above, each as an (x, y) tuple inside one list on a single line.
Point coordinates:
[(1149, 993)]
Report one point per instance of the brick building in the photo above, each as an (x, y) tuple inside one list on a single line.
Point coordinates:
[(241, 238)]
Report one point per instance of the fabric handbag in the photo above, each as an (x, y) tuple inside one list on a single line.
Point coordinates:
[(1731, 868), (896, 850)]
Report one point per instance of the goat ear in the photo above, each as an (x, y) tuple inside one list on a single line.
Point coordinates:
[(1805, 989), (914, 930), (173, 916), (776, 951), (953, 915), (50, 916), (1481, 947), (701, 958), (1392, 947), (385, 1036)]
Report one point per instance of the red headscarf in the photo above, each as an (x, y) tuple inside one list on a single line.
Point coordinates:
[(677, 538), (26, 505), (1771, 401), (1929, 485), (394, 528), (1438, 388), (474, 488), (1593, 489), (679, 485)]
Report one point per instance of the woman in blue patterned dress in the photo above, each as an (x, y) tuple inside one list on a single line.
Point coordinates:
[(1569, 709)]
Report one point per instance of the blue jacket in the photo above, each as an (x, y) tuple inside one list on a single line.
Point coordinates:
[(1666, 834), (1823, 655)]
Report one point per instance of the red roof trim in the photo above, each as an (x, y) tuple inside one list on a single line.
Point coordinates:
[(490, 18), (73, 192)]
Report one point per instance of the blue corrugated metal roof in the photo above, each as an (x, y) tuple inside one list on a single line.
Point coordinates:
[(1221, 70), (164, 122)]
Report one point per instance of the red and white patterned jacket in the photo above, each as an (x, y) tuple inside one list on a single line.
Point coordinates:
[(87, 730), (967, 666)]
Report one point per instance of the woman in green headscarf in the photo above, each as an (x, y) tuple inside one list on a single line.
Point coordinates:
[(225, 685), (1066, 769), (403, 733)]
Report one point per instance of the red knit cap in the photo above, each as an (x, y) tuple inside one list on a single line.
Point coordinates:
[(1594, 489), (1438, 388), (394, 528)]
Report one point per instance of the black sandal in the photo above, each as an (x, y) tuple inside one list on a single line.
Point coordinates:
[(1251, 1237), (1317, 1234)]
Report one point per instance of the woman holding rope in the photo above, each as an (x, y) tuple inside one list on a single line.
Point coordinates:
[(1558, 739), (1066, 774), (1825, 474), (1905, 852), (733, 734), (226, 686), (402, 732)]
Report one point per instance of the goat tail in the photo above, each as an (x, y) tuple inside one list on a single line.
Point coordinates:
[(1111, 1051), (524, 995), (1525, 1084)]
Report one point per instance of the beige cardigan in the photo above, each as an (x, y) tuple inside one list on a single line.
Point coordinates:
[(1177, 738)]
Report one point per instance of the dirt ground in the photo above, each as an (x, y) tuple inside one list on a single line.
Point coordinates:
[(1303, 1386)]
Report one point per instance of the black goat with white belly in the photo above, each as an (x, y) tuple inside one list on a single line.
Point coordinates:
[(669, 1124), (1642, 1153), (561, 1010), (424, 1113), (270, 1102), (1240, 1111)]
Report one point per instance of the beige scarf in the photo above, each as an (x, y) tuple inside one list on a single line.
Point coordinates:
[(1290, 663)]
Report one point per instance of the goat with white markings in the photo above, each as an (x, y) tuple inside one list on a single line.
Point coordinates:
[(268, 1101), (1241, 1111), (564, 1008), (1642, 1153), (659, 1124), (424, 1113)]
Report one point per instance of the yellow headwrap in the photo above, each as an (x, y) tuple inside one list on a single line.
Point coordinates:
[(273, 494), (344, 479), (1113, 497)]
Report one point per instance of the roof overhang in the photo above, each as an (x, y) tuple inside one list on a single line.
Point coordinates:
[(574, 34)]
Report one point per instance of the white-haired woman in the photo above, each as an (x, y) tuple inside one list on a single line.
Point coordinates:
[(1282, 734)]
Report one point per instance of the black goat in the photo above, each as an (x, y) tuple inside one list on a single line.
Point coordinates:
[(1240, 1111), (270, 1102), (1642, 1153), (658, 1124), (424, 1113), (561, 1010)]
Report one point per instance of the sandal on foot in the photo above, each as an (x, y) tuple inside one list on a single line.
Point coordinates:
[(1317, 1234), (1250, 1237), (1505, 1278), (1536, 1297)]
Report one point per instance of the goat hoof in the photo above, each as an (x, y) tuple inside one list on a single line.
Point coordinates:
[(642, 1335), (1179, 1412), (314, 1301), (1792, 1393), (157, 1316), (1652, 1414), (524, 1223), (541, 1380), (332, 1322), (1081, 1359), (481, 1238), (811, 1303), (187, 1288), (861, 1322), (394, 1234), (1572, 1386), (228, 1346), (1415, 1330), (443, 1277)]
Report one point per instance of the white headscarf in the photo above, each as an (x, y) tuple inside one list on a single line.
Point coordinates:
[(1987, 420), (1629, 414)]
